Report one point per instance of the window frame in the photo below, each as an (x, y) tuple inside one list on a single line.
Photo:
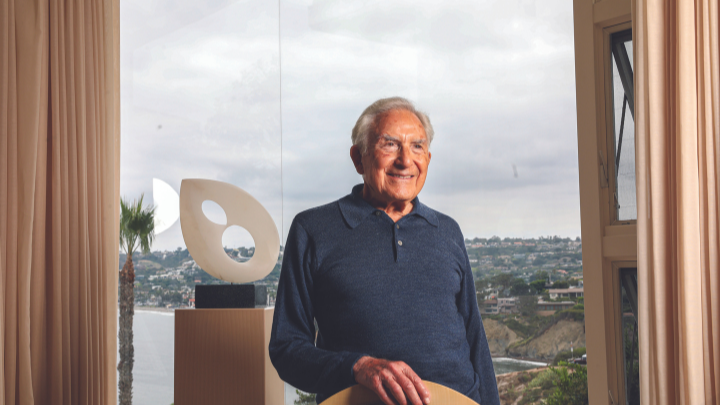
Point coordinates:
[(607, 243), (608, 32)]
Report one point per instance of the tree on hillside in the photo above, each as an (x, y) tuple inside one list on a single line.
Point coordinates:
[(137, 230), (538, 286), (561, 284), (540, 275), (502, 281), (519, 288), (527, 305), (480, 286)]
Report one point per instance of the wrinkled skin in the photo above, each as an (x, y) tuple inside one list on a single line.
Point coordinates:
[(395, 165)]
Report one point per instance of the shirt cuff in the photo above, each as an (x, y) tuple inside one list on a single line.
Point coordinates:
[(350, 362)]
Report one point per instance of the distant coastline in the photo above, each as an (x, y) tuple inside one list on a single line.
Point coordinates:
[(153, 309)]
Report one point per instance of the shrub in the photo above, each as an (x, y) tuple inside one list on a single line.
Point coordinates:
[(544, 380), (571, 385), (572, 313), (530, 396), (509, 395), (524, 378), (519, 328), (304, 398)]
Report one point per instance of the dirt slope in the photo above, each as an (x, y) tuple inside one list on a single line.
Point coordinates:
[(499, 337), (555, 339)]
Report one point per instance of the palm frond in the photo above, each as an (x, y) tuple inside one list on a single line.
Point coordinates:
[(137, 226)]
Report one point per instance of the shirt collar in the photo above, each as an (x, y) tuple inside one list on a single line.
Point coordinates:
[(355, 209)]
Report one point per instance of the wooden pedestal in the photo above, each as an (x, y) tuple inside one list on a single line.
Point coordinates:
[(221, 357)]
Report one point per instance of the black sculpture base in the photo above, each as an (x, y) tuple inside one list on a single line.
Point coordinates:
[(230, 296)]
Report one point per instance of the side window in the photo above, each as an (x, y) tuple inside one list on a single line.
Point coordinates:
[(623, 108), (629, 331)]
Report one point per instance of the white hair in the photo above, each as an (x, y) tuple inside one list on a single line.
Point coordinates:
[(365, 125)]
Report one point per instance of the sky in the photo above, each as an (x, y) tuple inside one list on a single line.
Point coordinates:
[(263, 95)]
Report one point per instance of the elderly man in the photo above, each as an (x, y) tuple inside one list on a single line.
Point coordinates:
[(385, 280)]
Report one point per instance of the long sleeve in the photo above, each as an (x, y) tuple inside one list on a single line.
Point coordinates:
[(292, 342), (479, 350)]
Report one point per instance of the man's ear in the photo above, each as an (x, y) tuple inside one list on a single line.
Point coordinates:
[(356, 156)]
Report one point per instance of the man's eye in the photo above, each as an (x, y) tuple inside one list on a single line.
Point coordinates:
[(390, 146)]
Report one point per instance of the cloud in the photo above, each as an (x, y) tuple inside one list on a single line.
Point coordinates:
[(496, 78)]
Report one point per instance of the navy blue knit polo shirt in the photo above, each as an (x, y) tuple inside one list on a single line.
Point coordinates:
[(393, 290)]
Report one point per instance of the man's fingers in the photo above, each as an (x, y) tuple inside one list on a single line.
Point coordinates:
[(421, 389), (379, 389), (410, 390), (391, 383)]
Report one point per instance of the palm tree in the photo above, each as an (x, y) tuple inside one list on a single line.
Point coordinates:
[(137, 229)]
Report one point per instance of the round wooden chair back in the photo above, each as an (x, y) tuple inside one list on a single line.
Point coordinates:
[(359, 395)]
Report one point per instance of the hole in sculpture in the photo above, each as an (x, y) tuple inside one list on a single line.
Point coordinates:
[(238, 243), (214, 212)]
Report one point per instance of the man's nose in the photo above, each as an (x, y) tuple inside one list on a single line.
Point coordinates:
[(403, 158)]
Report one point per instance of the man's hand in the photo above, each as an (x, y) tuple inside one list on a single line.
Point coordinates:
[(383, 376)]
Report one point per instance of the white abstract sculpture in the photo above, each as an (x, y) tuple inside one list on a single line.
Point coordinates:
[(204, 237)]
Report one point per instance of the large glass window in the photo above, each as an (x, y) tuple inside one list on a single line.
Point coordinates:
[(263, 95), (200, 98)]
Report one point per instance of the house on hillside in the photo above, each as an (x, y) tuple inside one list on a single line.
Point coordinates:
[(572, 292), (549, 308), (507, 305), (490, 307)]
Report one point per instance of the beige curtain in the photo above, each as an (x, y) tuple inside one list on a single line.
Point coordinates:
[(678, 183), (59, 193)]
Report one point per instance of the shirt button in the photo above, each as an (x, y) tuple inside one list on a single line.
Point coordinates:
[(400, 242), (377, 213), (397, 226)]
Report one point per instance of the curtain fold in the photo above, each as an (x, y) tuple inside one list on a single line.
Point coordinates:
[(678, 183), (59, 201)]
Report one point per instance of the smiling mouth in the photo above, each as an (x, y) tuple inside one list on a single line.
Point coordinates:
[(401, 177)]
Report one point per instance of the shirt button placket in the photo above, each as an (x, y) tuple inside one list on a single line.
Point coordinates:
[(398, 241)]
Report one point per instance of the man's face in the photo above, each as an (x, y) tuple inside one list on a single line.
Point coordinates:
[(396, 162)]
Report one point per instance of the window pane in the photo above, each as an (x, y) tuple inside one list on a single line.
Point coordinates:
[(629, 329), (624, 126), (497, 80), (200, 98)]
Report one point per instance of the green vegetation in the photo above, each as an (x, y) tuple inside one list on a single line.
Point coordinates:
[(538, 286), (137, 230), (527, 305), (540, 386), (521, 329), (565, 384), (304, 398), (571, 385)]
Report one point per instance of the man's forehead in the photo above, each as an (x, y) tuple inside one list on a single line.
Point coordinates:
[(399, 123), (416, 137)]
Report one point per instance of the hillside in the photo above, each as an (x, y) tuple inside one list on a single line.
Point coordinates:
[(556, 338), (534, 337), (499, 337)]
